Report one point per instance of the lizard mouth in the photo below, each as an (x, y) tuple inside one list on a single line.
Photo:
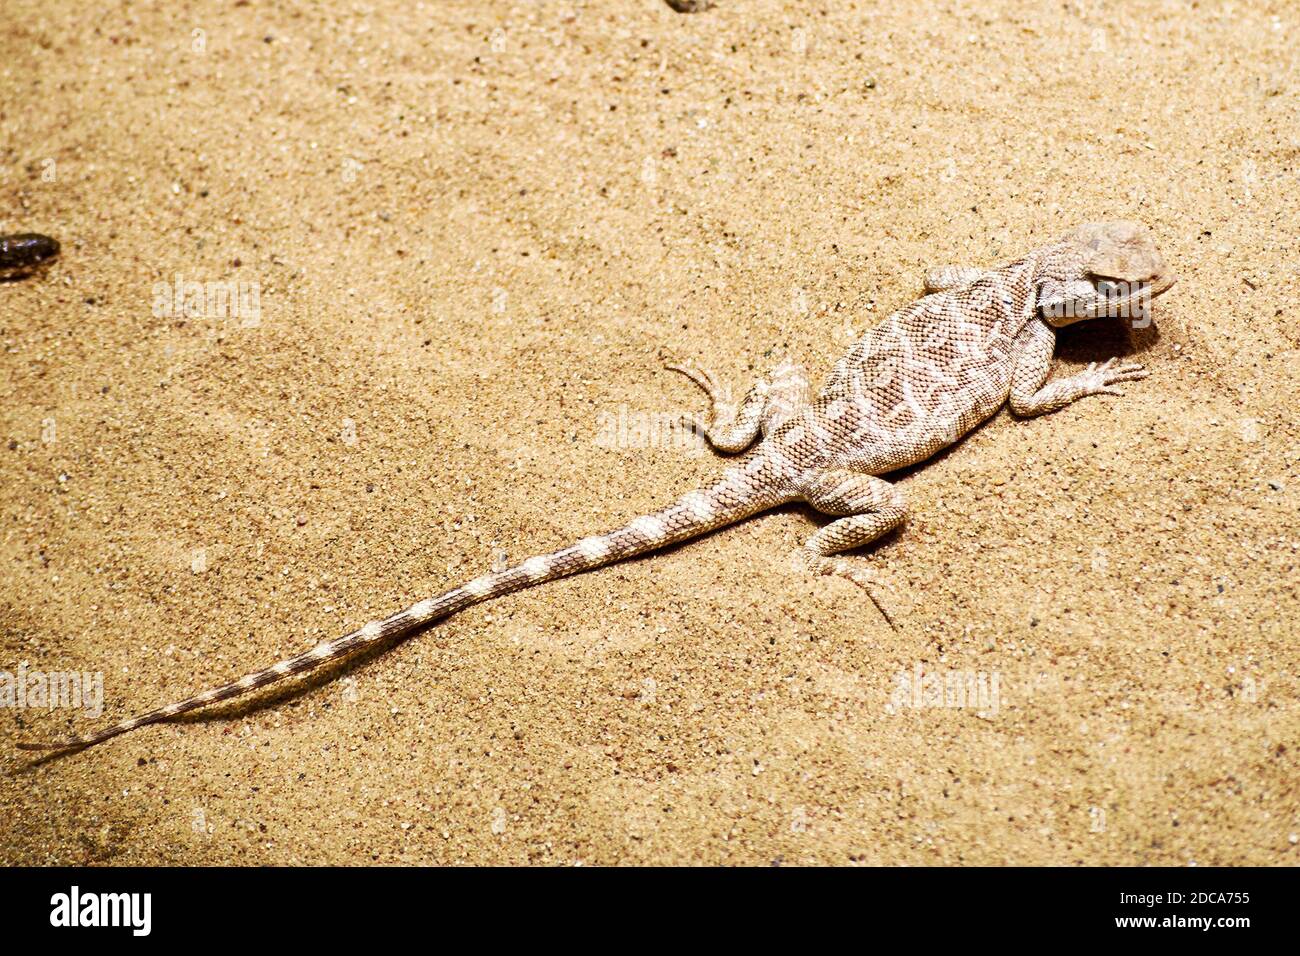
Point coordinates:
[(1117, 298)]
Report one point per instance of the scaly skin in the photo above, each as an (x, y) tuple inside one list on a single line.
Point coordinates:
[(913, 385)]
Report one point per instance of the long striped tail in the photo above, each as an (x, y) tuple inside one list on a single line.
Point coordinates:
[(739, 493)]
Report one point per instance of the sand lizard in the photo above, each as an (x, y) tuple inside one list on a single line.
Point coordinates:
[(907, 388)]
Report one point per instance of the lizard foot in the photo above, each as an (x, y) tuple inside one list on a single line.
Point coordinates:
[(1102, 379), (863, 577), (700, 377), (724, 426)]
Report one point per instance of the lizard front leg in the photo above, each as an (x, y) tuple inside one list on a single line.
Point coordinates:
[(1033, 358), (764, 407), (871, 507), (948, 278)]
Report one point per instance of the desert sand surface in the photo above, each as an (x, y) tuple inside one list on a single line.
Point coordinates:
[(464, 238)]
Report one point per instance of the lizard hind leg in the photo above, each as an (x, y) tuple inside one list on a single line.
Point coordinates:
[(869, 508), (732, 428), (728, 428)]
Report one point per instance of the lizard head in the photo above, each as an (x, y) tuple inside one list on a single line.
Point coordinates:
[(1101, 269)]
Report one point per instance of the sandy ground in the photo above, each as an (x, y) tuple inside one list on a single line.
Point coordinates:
[(475, 231)]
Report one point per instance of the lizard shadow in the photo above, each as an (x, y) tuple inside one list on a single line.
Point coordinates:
[(1098, 340)]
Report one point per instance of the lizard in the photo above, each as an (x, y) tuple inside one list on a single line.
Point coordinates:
[(910, 386)]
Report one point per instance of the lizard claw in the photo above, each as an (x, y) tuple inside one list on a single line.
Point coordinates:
[(863, 577), (697, 375), (720, 410), (1102, 379)]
